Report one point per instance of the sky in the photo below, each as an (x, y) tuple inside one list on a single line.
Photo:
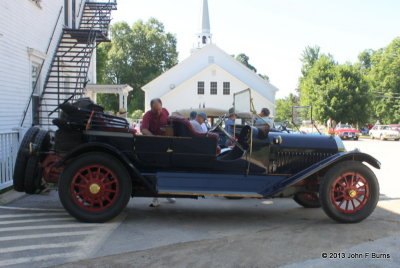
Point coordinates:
[(274, 33)]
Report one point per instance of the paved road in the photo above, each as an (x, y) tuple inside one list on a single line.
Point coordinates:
[(35, 231)]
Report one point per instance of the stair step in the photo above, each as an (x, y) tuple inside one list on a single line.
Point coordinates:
[(55, 93)]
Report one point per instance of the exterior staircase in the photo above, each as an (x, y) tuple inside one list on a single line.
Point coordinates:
[(68, 72)]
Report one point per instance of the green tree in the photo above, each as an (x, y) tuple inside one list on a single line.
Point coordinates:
[(136, 55), (337, 91), (244, 59), (309, 56), (284, 107), (384, 77), (365, 60), (137, 114)]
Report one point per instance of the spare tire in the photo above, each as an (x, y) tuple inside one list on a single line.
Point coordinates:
[(22, 159), (33, 171)]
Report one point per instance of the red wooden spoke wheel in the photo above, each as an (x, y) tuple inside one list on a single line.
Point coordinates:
[(94, 188), (350, 192), (307, 200)]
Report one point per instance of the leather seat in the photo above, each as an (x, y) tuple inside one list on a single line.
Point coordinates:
[(183, 128)]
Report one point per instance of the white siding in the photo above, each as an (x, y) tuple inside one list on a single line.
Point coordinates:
[(185, 95), (24, 25)]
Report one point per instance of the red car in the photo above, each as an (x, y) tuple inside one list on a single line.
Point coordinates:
[(347, 132)]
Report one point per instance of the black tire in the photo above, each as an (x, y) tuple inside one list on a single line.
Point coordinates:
[(72, 197), (22, 159), (307, 200), (33, 171), (356, 138), (396, 139), (328, 192)]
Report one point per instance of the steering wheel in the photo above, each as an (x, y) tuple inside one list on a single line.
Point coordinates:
[(218, 124), (229, 136), (283, 126)]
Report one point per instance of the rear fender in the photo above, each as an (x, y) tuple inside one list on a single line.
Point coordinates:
[(106, 148)]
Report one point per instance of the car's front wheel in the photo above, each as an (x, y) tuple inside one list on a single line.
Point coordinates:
[(349, 192), (95, 187)]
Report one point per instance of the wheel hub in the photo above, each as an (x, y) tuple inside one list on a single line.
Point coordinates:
[(94, 188), (352, 193)]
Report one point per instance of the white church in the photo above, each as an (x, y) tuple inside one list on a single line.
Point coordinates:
[(208, 79)]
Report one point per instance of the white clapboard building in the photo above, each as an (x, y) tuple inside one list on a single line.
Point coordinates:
[(47, 55), (208, 79)]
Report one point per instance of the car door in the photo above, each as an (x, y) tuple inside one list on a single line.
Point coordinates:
[(193, 152), (153, 151)]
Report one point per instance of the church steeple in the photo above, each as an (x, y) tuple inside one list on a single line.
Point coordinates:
[(204, 37)]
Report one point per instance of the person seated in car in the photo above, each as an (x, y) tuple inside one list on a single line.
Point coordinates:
[(264, 118), (198, 122), (192, 115), (155, 120), (230, 122)]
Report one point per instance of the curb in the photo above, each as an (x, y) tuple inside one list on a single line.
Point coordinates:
[(10, 196)]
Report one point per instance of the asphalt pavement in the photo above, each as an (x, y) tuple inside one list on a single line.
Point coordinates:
[(35, 231)]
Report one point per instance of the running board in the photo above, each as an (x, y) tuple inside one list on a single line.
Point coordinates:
[(204, 184)]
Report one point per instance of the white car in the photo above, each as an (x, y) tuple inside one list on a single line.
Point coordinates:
[(384, 133)]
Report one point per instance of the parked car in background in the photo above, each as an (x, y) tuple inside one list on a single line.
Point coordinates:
[(385, 132), (347, 132)]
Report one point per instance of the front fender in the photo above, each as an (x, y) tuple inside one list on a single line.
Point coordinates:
[(102, 147), (354, 155)]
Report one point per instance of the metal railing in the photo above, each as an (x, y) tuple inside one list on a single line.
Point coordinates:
[(8, 152), (34, 88)]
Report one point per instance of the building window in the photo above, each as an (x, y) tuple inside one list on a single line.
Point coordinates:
[(227, 88), (213, 88), (36, 89), (200, 88)]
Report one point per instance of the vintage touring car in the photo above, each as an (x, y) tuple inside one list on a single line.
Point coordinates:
[(98, 163)]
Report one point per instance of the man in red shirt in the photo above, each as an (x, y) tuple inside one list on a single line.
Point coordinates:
[(155, 120)]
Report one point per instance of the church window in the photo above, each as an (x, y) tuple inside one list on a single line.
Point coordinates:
[(227, 88), (213, 88), (200, 88)]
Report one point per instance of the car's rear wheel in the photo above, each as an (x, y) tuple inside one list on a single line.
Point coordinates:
[(355, 138), (22, 159), (397, 139), (95, 187), (349, 192), (307, 200)]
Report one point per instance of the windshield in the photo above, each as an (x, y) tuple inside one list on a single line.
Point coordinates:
[(243, 104)]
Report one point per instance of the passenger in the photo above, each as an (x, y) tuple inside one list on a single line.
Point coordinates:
[(204, 126), (192, 115), (230, 122), (155, 120), (264, 118), (121, 113), (197, 123)]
